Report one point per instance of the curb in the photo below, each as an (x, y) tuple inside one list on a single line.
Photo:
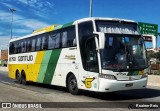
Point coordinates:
[(153, 80), (4, 69)]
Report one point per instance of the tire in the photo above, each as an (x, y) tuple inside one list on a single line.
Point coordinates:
[(24, 82), (18, 77), (72, 85)]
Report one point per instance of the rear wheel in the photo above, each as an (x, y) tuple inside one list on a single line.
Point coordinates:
[(72, 85), (18, 77), (23, 78)]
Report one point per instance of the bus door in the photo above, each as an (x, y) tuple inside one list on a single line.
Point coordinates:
[(92, 69)]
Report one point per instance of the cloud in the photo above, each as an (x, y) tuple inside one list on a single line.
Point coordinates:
[(21, 21), (37, 3), (1, 33), (32, 24), (22, 25), (22, 31), (6, 16), (41, 8)]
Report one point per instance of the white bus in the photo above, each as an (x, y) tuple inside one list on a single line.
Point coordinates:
[(95, 54)]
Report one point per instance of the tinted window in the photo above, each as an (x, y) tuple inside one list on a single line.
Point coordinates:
[(69, 37), (33, 44), (23, 46), (85, 31), (18, 46), (54, 40), (64, 39), (15, 44), (44, 42), (29, 46), (91, 56), (38, 44), (11, 48)]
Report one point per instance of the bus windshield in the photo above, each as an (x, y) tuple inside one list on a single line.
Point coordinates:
[(123, 52)]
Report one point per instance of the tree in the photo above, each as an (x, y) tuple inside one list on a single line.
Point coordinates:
[(151, 54), (157, 55)]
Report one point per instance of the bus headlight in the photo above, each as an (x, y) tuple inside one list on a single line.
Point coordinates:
[(107, 76)]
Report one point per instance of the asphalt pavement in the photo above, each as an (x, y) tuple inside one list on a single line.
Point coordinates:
[(11, 91)]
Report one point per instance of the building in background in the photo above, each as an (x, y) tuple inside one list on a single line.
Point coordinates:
[(3, 57)]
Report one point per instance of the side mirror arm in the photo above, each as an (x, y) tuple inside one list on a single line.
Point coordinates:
[(101, 40)]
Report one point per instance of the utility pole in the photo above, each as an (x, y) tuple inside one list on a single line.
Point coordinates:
[(91, 2), (12, 10)]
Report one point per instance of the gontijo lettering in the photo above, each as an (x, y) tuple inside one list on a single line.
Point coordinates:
[(25, 58)]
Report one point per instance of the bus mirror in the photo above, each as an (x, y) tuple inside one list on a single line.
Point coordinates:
[(101, 39)]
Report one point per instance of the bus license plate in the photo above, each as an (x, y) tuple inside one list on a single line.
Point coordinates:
[(129, 85)]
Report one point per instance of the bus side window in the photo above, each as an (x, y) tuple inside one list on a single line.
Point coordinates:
[(11, 48), (44, 43), (38, 44), (19, 47), (23, 46), (57, 40), (33, 44), (29, 45), (51, 41), (15, 45), (54, 40), (69, 37), (64, 39)]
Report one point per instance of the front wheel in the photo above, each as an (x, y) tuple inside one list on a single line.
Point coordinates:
[(72, 85)]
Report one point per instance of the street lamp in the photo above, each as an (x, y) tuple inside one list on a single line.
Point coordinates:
[(12, 10), (91, 1)]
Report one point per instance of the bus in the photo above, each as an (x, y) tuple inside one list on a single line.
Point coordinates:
[(94, 54)]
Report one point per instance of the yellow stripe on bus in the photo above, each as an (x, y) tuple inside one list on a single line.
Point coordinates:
[(37, 65)]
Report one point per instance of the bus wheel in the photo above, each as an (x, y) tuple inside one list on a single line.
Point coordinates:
[(72, 85), (18, 77), (24, 78)]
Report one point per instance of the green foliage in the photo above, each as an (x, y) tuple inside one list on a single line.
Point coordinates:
[(157, 73), (151, 54)]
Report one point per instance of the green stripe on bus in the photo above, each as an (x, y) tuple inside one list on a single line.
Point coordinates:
[(68, 24), (52, 66), (44, 66)]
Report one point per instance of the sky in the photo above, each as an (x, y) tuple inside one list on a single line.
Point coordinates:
[(34, 14)]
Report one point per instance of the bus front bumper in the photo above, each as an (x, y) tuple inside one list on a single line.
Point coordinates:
[(106, 85)]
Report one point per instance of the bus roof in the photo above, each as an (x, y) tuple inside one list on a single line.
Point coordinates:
[(103, 18), (72, 23)]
